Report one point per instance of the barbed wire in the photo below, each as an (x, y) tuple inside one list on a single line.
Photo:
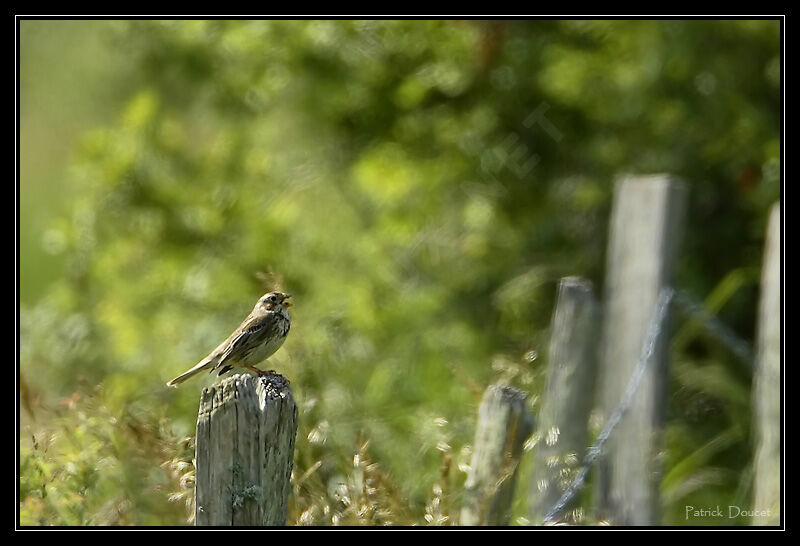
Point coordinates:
[(739, 347), (653, 331)]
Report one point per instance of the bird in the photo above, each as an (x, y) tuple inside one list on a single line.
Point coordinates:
[(257, 338)]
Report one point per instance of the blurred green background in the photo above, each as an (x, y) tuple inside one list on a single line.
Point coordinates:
[(419, 187)]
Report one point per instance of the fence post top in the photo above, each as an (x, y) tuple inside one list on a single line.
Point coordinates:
[(266, 389), (272, 381), (576, 283), (506, 392)]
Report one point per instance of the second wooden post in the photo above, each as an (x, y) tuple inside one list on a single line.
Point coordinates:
[(569, 396)]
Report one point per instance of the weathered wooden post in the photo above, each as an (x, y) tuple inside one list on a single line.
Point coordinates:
[(246, 431), (647, 216), (569, 395), (504, 423), (767, 384)]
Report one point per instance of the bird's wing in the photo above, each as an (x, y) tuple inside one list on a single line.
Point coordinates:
[(248, 336)]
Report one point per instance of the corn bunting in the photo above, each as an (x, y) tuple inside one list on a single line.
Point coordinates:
[(257, 338)]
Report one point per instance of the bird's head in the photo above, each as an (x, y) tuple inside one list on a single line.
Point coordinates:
[(274, 300)]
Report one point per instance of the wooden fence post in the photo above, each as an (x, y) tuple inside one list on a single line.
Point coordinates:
[(646, 218), (767, 384), (504, 423), (569, 395), (246, 431)]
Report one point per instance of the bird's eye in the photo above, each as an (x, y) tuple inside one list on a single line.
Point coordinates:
[(273, 299)]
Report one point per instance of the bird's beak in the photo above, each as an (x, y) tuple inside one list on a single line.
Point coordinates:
[(286, 302)]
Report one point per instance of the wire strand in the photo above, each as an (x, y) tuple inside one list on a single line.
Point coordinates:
[(653, 331)]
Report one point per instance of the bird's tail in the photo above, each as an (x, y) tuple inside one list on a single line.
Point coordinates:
[(202, 365)]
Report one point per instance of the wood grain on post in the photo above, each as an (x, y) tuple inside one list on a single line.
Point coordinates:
[(504, 423), (767, 384), (569, 395), (646, 220), (246, 431)]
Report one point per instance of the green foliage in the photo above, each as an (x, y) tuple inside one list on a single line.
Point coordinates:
[(419, 187), (88, 464)]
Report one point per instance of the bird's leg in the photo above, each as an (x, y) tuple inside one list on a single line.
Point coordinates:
[(268, 373), (259, 373)]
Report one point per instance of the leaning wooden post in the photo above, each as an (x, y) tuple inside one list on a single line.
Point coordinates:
[(767, 384), (246, 431), (569, 395), (504, 423), (646, 219)]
